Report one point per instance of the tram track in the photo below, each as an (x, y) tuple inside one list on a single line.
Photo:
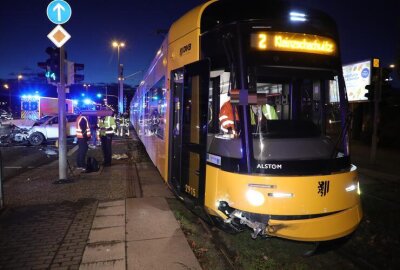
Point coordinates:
[(134, 184)]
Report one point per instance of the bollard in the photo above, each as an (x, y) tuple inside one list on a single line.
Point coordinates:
[(1, 181)]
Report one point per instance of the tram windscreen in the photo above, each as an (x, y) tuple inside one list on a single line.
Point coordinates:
[(296, 118)]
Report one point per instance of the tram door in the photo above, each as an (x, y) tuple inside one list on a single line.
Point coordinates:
[(189, 128)]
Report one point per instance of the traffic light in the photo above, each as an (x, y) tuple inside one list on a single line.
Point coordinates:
[(370, 91), (78, 77), (53, 72), (72, 76), (52, 64), (45, 66)]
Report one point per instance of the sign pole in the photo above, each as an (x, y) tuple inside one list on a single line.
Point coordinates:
[(62, 141), (59, 12), (1, 182), (377, 99)]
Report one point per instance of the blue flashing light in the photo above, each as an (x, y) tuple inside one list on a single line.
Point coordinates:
[(23, 96), (75, 101), (87, 101), (36, 96), (83, 94), (99, 95)]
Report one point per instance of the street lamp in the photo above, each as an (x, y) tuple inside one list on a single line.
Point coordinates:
[(120, 77), (86, 86), (6, 86)]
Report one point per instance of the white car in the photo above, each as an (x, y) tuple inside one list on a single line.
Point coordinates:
[(47, 128)]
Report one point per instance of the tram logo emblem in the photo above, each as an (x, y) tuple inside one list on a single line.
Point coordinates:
[(323, 188)]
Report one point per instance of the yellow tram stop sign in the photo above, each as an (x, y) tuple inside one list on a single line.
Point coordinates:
[(375, 62)]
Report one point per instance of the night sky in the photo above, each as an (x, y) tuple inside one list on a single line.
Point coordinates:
[(367, 28)]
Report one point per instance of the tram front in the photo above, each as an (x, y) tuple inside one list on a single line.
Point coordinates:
[(278, 156)]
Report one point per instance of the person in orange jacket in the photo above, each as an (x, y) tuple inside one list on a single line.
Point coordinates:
[(227, 118)]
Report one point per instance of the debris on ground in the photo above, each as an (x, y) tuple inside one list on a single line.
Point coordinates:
[(119, 156)]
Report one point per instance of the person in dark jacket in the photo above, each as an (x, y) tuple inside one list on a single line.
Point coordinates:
[(107, 128), (83, 134)]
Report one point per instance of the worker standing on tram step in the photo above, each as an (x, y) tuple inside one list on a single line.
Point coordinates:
[(83, 134), (107, 127)]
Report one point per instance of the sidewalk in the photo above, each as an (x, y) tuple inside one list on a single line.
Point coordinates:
[(386, 166), (103, 220), (138, 233)]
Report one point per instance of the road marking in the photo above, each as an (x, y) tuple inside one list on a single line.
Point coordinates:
[(13, 167)]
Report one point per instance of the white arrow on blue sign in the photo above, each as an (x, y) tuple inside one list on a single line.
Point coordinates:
[(59, 11)]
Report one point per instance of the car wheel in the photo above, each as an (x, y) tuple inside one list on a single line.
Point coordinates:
[(36, 138)]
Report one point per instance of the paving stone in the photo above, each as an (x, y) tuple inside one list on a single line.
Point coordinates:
[(107, 234), (111, 210), (111, 203), (107, 265), (108, 221), (104, 252), (163, 255), (149, 218)]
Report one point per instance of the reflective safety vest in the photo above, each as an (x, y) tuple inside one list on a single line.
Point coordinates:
[(267, 110), (107, 126), (227, 119), (79, 131)]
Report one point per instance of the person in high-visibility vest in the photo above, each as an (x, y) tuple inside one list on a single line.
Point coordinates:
[(228, 118), (107, 127), (265, 110), (83, 135)]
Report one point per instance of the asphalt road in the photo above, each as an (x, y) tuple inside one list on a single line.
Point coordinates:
[(18, 159)]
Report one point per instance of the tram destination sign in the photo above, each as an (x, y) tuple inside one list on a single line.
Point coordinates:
[(292, 42)]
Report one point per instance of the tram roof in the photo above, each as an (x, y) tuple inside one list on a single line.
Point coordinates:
[(215, 12)]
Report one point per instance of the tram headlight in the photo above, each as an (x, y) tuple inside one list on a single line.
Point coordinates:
[(354, 186), (255, 197), (351, 188)]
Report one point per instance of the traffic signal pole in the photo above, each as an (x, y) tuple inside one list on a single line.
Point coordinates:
[(377, 99), (62, 140)]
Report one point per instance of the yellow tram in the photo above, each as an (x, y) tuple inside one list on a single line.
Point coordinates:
[(244, 111)]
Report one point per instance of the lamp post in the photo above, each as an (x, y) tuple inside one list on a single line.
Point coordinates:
[(6, 86), (19, 77), (120, 76)]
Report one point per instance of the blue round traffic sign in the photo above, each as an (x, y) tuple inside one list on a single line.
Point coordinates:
[(365, 73), (59, 11)]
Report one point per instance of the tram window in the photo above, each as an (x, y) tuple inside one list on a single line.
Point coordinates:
[(154, 110), (306, 120), (333, 112), (224, 122)]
